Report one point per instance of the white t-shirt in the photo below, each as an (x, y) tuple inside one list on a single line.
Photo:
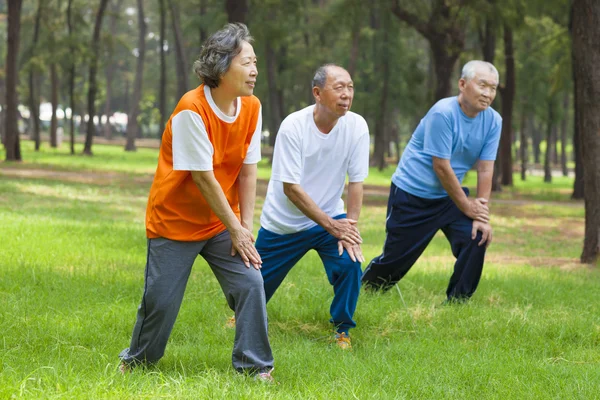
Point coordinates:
[(192, 149), (319, 163)]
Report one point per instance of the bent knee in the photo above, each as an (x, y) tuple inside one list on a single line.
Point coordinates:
[(348, 267)]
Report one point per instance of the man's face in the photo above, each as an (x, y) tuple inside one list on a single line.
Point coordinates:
[(479, 92), (338, 92), (240, 78)]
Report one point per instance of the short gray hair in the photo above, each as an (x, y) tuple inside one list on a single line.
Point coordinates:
[(218, 51), (321, 75), (468, 71)]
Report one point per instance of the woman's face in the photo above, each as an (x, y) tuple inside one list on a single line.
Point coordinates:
[(240, 78)]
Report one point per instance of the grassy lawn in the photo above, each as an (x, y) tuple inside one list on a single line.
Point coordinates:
[(72, 260)]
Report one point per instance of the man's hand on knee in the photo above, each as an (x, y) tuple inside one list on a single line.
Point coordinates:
[(345, 229), (478, 210), (354, 250), (486, 233)]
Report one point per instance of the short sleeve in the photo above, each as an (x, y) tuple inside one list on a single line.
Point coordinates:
[(358, 168), (492, 141), (253, 154), (287, 158), (437, 141), (192, 150)]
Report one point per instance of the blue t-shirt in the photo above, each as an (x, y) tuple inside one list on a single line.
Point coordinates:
[(446, 132)]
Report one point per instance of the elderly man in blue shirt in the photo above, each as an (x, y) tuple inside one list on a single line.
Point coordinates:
[(426, 194)]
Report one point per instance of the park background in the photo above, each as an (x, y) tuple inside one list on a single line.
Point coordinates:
[(74, 185)]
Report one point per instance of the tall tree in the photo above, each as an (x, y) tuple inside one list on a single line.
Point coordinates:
[(162, 83), (383, 71), (276, 113), (12, 143), (54, 101), (586, 42), (563, 135), (34, 103), (115, 10), (180, 54), (444, 29), (134, 108), (95, 50), (72, 74), (508, 95), (578, 187), (550, 133)]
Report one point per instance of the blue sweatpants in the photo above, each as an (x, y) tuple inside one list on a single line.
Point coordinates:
[(411, 224), (279, 254)]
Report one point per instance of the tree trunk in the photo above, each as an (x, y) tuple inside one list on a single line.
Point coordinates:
[(54, 102), (563, 136), (354, 51), (550, 130), (443, 64), (34, 102), (508, 96), (181, 58), (379, 149), (536, 139), (162, 85), (110, 68), (586, 42), (523, 145), (487, 41), (12, 143), (72, 70), (91, 100), (201, 27), (134, 108), (578, 188), (237, 10), (275, 100)]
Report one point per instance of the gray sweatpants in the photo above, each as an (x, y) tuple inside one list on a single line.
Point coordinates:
[(168, 268)]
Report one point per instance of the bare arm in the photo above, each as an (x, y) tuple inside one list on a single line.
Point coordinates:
[(485, 172), (354, 205), (247, 193), (355, 200), (475, 208), (241, 237), (344, 229)]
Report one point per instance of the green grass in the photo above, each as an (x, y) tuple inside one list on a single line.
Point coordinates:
[(72, 261)]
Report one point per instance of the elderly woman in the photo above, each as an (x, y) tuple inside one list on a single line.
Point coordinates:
[(202, 202)]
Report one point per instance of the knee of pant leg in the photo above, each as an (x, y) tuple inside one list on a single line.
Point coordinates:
[(349, 267), (252, 283), (478, 237)]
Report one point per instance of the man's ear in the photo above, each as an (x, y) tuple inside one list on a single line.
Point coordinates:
[(316, 93), (462, 83)]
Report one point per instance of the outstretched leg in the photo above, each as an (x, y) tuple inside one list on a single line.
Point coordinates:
[(411, 223), (168, 268)]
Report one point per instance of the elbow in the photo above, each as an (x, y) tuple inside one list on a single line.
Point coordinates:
[(438, 166), (289, 190), (202, 178)]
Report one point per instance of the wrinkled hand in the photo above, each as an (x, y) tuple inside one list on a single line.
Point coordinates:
[(354, 250), (242, 242), (486, 233), (345, 229), (478, 210)]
